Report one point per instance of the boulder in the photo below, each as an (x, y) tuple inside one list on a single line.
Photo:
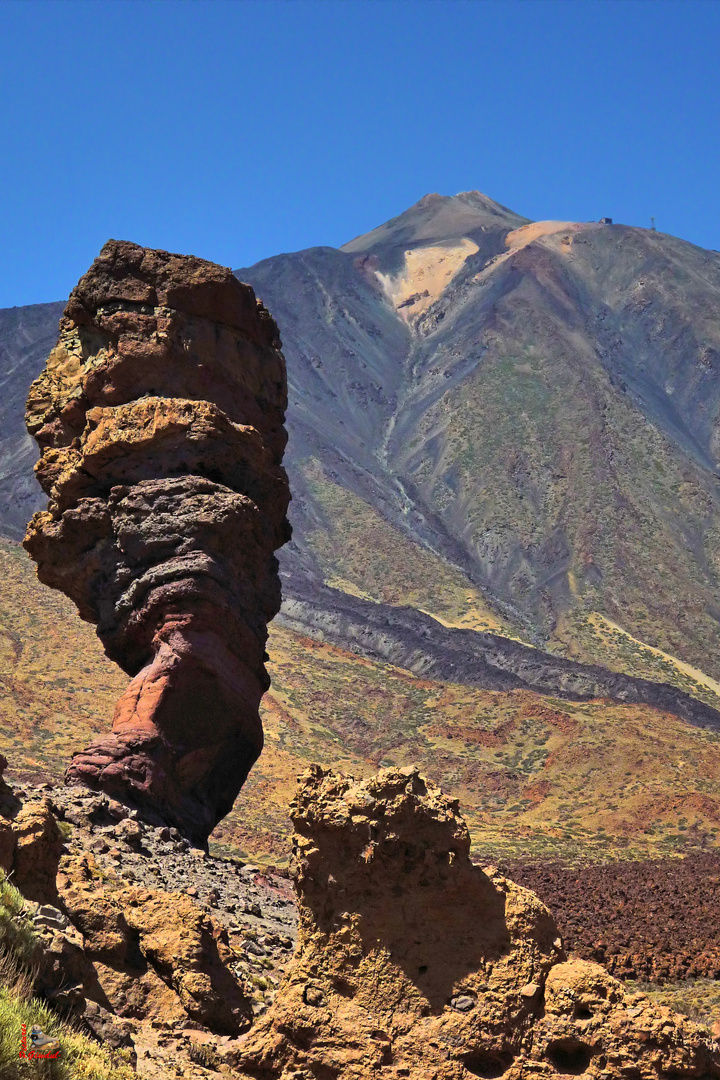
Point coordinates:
[(152, 954), (160, 419), (38, 847), (414, 962)]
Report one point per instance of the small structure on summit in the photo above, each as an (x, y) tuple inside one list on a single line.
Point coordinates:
[(160, 419)]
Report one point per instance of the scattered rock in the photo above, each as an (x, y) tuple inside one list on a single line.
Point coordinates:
[(47, 915), (464, 1002), (634, 917), (131, 832), (108, 1028), (253, 947)]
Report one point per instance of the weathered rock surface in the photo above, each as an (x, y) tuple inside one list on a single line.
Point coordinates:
[(160, 420), (7, 804), (151, 944), (30, 848), (37, 851), (413, 961), (155, 954)]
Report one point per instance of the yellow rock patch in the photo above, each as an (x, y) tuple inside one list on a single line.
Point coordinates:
[(520, 238), (428, 272)]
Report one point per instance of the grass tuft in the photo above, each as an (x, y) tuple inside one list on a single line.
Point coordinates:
[(18, 941), (80, 1058)]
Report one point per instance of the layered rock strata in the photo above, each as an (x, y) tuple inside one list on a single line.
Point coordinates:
[(413, 962), (160, 418)]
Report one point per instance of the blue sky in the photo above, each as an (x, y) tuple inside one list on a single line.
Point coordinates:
[(236, 129)]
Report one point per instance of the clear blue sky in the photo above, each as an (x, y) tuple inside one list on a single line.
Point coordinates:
[(237, 130)]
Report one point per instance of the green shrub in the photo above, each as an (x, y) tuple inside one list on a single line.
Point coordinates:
[(17, 938), (204, 1055), (79, 1059)]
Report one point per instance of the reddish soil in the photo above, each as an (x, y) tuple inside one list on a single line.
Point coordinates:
[(656, 920)]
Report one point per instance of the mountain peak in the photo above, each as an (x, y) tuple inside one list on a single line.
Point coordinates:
[(437, 218)]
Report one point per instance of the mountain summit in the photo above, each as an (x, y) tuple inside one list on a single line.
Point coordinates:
[(437, 218), (529, 410)]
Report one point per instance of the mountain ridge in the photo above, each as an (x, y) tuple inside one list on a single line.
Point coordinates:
[(513, 432), (423, 364)]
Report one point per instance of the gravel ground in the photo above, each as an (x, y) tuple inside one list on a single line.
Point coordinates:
[(256, 906)]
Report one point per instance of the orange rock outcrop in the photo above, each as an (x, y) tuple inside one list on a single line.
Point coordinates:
[(160, 418), (151, 954), (413, 962)]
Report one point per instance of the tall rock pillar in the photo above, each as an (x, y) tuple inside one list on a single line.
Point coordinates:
[(160, 420)]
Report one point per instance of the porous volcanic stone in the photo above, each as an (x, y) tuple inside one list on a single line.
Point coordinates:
[(413, 962), (160, 419)]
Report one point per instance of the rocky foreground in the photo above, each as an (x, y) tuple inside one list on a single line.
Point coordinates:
[(410, 961), (149, 943), (160, 419)]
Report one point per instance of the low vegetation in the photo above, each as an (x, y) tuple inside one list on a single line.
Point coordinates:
[(80, 1058), (536, 777), (17, 940), (698, 999), (363, 554)]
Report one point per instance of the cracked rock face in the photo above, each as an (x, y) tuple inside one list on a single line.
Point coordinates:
[(413, 962), (159, 417)]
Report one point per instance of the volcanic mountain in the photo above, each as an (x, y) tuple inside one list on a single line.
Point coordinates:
[(523, 417), (503, 454)]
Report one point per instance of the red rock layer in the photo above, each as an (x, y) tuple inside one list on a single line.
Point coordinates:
[(160, 419)]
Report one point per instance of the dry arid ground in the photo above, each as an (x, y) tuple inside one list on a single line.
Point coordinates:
[(536, 776)]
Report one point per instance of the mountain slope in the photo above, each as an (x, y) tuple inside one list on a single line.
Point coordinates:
[(511, 427), (534, 405), (26, 336), (538, 775), (523, 415)]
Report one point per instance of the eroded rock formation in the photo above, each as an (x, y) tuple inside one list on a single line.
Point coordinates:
[(122, 928), (160, 418), (414, 962), (151, 953)]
